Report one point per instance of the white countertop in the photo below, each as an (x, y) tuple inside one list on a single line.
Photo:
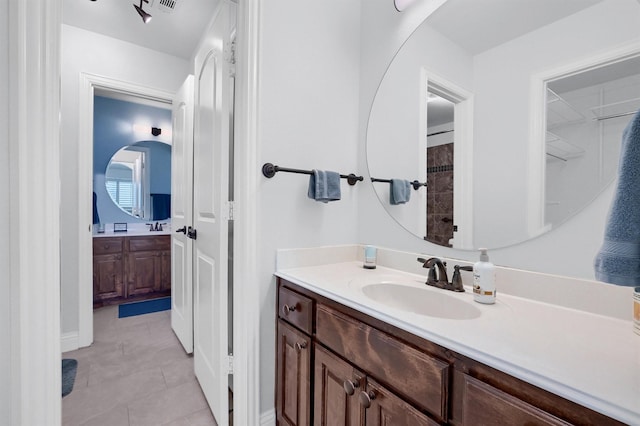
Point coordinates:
[(587, 358), (133, 230)]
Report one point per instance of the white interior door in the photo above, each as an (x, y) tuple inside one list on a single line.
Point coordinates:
[(182, 215), (210, 204)]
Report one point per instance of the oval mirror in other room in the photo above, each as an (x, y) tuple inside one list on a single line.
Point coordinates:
[(138, 180), (508, 115)]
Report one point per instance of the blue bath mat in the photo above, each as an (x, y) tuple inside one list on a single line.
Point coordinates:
[(69, 368), (144, 307)]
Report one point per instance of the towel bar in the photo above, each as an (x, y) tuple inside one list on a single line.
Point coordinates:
[(269, 171), (416, 185)]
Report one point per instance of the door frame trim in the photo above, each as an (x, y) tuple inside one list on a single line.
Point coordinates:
[(33, 86), (88, 84), (247, 284)]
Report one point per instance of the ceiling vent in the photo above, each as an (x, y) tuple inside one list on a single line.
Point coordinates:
[(167, 6)]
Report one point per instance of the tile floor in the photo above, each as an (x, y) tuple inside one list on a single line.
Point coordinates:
[(136, 373)]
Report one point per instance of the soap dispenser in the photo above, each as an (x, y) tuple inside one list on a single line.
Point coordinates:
[(484, 279)]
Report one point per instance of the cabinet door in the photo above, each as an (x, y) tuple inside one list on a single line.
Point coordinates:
[(293, 384), (108, 273), (143, 274), (382, 407), (336, 388), (485, 405), (165, 271)]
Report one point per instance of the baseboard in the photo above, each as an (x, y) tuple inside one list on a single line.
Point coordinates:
[(69, 341), (268, 418)]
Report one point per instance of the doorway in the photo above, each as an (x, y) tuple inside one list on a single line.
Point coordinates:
[(132, 186), (90, 86), (448, 126), (43, 36)]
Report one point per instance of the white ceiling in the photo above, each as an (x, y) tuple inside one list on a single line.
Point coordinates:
[(176, 33)]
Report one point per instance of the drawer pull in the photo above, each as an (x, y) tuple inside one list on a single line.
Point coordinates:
[(366, 398), (286, 309), (350, 386), (301, 345)]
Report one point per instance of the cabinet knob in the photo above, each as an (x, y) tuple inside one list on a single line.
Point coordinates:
[(350, 386), (365, 398), (286, 309), (301, 345)]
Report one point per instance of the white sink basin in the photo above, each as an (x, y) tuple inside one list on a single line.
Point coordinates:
[(421, 300)]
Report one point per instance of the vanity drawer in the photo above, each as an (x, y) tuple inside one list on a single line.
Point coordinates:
[(296, 309), (107, 245), (420, 378), (151, 243), (483, 405)]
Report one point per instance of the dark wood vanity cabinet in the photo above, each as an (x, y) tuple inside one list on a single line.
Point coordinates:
[(338, 366), (293, 369), (108, 269), (131, 268), (149, 265), (344, 395), (484, 404)]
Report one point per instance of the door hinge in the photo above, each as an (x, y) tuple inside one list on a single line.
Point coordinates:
[(230, 206), (230, 57), (230, 364)]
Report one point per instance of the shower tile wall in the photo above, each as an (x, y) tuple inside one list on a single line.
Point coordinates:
[(440, 194)]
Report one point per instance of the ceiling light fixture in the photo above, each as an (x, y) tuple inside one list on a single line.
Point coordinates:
[(403, 4), (144, 15)]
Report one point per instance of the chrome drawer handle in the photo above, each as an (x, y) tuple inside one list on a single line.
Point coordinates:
[(301, 345)]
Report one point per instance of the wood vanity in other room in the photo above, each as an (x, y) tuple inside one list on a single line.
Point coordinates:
[(339, 366), (131, 268)]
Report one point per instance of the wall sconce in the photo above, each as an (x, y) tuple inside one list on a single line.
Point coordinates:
[(144, 129), (144, 15)]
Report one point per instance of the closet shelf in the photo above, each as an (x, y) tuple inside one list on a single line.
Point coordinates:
[(560, 112), (615, 109), (560, 149)]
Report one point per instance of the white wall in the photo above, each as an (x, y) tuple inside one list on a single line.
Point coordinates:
[(84, 51), (5, 287), (568, 250), (308, 108)]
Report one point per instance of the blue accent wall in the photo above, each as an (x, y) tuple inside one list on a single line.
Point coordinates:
[(113, 129)]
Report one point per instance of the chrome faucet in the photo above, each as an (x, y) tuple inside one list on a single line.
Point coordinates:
[(437, 276)]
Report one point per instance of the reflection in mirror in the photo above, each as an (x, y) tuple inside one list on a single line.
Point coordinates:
[(138, 180), (124, 182), (440, 172), (520, 163), (586, 114)]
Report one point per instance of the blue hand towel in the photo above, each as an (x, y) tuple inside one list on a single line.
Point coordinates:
[(400, 191), (618, 261), (324, 186)]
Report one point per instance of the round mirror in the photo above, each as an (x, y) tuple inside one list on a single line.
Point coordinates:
[(497, 121), (138, 180)]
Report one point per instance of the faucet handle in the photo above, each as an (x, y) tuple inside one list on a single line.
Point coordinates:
[(456, 280)]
